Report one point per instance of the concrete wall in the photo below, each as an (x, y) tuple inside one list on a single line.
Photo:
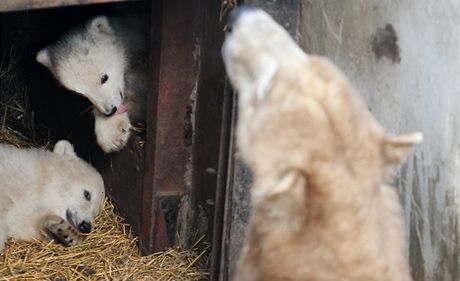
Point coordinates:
[(410, 84)]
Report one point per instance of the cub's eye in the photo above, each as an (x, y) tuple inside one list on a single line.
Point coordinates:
[(104, 78), (87, 195)]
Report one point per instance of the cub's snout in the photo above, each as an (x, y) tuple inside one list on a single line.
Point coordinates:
[(84, 227)]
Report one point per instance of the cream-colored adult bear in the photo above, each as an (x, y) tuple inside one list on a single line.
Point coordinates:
[(321, 209), (47, 195)]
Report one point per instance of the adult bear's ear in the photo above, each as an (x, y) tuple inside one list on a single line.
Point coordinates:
[(396, 148)]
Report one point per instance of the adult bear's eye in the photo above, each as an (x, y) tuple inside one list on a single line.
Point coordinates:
[(104, 78), (87, 195)]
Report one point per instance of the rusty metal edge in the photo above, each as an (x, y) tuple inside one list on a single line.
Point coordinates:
[(148, 214), (169, 152)]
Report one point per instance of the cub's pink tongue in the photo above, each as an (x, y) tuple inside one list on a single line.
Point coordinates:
[(121, 109)]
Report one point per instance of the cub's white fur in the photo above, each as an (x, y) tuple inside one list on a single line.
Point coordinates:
[(46, 194), (105, 61)]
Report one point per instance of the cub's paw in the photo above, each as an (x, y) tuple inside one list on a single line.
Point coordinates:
[(60, 230), (112, 133)]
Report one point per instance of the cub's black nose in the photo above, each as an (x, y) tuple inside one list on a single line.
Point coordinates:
[(112, 112), (236, 13), (84, 227)]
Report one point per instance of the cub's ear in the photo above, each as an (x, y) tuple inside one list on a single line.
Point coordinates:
[(64, 148), (396, 148), (100, 24), (43, 57)]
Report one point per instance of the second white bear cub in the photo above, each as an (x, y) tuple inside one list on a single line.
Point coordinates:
[(104, 60), (47, 195)]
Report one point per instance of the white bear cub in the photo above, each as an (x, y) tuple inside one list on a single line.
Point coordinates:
[(104, 60), (47, 195)]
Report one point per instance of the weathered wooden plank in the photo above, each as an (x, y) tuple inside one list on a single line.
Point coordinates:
[(17, 5)]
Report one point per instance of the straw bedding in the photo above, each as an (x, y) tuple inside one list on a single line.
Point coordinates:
[(109, 252)]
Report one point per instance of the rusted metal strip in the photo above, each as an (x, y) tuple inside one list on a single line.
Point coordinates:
[(16, 5), (169, 124), (184, 130), (148, 215)]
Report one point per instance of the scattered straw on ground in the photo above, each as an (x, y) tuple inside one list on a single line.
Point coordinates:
[(108, 253)]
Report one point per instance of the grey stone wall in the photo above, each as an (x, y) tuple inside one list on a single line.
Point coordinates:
[(404, 57)]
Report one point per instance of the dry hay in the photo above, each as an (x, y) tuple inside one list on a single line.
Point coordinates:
[(109, 252)]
